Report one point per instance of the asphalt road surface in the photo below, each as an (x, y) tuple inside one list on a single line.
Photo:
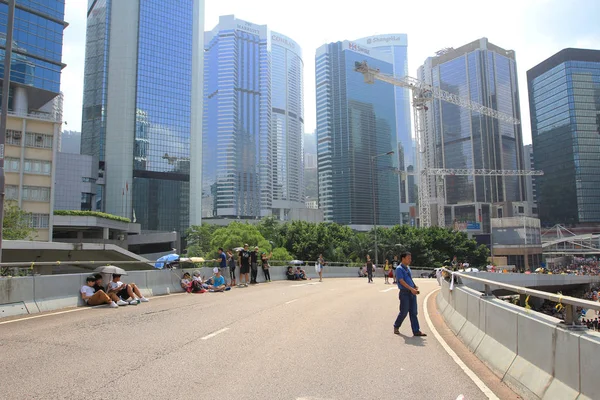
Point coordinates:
[(282, 340)]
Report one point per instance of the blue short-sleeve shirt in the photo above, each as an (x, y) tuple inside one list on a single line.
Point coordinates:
[(404, 272), (218, 281)]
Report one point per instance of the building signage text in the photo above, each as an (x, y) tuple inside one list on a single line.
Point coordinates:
[(358, 48)]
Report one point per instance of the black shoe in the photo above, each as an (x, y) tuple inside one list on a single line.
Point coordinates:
[(396, 331), (419, 334)]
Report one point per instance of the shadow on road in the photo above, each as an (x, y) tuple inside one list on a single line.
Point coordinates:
[(413, 341)]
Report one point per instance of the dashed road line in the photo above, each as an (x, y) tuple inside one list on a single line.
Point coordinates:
[(387, 290), (476, 380), (291, 301), (215, 334)]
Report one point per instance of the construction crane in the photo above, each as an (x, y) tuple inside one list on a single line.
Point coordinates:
[(422, 94)]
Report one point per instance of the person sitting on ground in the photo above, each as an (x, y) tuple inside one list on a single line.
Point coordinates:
[(93, 298), (125, 291), (186, 282), (301, 274), (218, 282), (198, 285), (361, 272), (291, 276), (99, 284)]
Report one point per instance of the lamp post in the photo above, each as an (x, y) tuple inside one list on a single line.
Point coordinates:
[(389, 153)]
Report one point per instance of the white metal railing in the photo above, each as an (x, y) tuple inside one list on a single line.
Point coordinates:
[(573, 302), (37, 115)]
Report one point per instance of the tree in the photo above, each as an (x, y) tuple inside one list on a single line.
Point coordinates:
[(17, 223), (198, 239), (281, 254), (237, 234), (270, 228)]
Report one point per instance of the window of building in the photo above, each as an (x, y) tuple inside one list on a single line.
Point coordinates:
[(13, 137), (12, 192), (32, 167), (38, 140), (86, 201), (90, 180), (12, 164), (39, 221), (521, 210), (36, 193)]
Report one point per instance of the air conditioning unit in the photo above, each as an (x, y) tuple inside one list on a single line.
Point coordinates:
[(16, 135), (39, 138)]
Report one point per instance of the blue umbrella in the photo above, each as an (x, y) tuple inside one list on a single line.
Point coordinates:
[(165, 260)]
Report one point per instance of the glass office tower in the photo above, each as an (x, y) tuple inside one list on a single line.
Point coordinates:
[(37, 52), (355, 121), (486, 74), (564, 100), (138, 109), (287, 125), (237, 143), (396, 45)]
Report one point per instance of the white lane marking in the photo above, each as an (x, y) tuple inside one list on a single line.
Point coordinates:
[(45, 315), (482, 386), (306, 284), (83, 308), (215, 334), (387, 290), (291, 301)]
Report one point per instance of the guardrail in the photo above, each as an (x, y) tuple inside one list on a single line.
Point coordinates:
[(572, 302)]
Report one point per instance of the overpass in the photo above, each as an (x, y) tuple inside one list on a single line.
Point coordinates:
[(577, 245)]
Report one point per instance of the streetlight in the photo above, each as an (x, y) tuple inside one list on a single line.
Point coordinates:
[(389, 153)]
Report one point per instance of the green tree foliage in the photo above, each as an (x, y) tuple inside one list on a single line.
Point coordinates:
[(237, 234), (16, 224), (338, 243), (281, 254), (198, 239)]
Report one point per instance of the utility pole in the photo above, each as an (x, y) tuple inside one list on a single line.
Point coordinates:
[(4, 111)]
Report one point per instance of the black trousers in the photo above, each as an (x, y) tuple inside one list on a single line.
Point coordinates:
[(370, 274), (253, 272), (267, 274)]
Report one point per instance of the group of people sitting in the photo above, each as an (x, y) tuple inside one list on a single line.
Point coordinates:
[(196, 284), (296, 275), (115, 294)]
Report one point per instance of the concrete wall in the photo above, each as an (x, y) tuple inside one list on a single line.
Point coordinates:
[(29, 295), (533, 353)]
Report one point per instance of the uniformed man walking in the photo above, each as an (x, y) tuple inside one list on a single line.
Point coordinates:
[(408, 296)]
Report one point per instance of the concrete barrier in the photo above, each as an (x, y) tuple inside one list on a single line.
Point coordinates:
[(531, 352), (33, 294)]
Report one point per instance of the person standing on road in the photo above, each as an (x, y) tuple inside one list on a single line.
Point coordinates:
[(394, 266), (408, 296), (244, 261), (369, 269), (223, 265), (320, 265), (254, 265), (231, 264), (264, 259), (386, 271)]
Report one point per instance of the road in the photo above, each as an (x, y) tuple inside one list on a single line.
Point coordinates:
[(282, 340)]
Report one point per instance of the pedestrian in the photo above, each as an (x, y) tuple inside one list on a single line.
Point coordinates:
[(223, 266), (254, 265), (244, 261), (386, 271), (369, 269), (264, 258), (231, 264), (408, 296), (319, 267), (394, 266)]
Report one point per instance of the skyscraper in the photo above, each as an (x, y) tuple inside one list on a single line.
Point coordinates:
[(34, 113), (287, 124), (564, 101), (253, 122), (396, 45), (142, 109), (355, 122), (486, 74)]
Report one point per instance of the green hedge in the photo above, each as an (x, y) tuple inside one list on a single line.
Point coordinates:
[(98, 214)]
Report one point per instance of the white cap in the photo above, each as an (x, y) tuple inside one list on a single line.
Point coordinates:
[(216, 270)]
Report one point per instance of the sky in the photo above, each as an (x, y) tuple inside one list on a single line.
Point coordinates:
[(535, 29)]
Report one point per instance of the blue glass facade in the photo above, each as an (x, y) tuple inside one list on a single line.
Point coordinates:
[(464, 139), (161, 104), (37, 47), (237, 143), (287, 119), (355, 121), (396, 45), (564, 101)]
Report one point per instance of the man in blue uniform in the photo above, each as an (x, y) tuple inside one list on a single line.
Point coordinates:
[(408, 296)]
